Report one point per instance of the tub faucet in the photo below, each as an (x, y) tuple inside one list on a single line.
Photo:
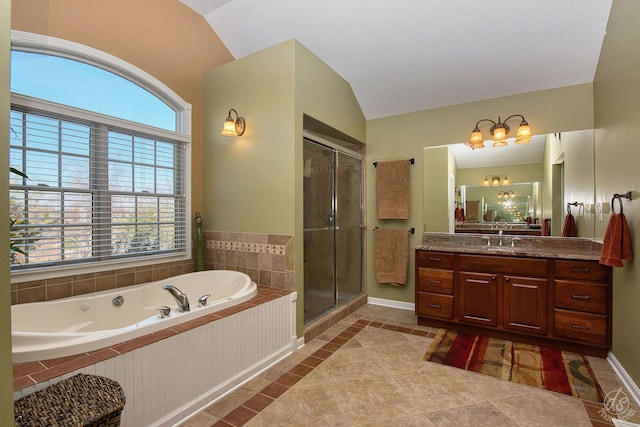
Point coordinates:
[(500, 238), (180, 297)]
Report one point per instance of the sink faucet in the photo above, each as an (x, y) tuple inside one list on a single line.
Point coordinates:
[(180, 297), (500, 238)]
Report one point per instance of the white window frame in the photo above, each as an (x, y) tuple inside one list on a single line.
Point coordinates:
[(36, 43)]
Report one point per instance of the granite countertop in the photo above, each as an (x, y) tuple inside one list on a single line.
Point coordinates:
[(530, 246)]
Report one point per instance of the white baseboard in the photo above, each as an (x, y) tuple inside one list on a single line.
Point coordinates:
[(300, 343), (624, 376), (392, 303)]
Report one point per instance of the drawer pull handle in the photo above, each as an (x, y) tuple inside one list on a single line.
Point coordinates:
[(432, 305), (580, 270), (434, 259), (437, 282), (584, 297), (583, 327)]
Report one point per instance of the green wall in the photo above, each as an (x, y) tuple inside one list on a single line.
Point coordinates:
[(436, 190), (253, 183), (6, 369), (617, 124), (405, 136)]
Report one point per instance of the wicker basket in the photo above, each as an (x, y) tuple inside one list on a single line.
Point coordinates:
[(82, 400)]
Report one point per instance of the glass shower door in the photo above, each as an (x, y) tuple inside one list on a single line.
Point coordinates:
[(333, 233), (349, 230), (319, 233)]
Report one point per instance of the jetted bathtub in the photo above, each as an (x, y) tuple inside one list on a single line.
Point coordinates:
[(45, 330)]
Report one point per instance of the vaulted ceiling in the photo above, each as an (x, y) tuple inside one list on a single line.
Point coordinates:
[(411, 55)]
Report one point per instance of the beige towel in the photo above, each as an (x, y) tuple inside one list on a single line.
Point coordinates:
[(473, 210), (392, 189), (392, 256)]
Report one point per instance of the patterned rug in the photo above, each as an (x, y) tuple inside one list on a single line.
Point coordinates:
[(555, 370)]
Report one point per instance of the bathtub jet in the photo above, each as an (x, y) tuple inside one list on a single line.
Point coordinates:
[(68, 326)]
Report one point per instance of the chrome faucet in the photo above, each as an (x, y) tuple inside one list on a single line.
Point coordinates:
[(180, 297), (500, 238)]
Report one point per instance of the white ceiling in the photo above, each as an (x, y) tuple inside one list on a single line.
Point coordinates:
[(410, 55)]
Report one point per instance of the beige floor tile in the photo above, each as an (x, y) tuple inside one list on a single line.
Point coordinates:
[(372, 400), (544, 408), (201, 419), (378, 378), (230, 402), (311, 406), (478, 415)]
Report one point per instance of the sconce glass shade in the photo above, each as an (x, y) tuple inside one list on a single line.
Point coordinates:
[(229, 128), (476, 140), (524, 133), (495, 181), (233, 127), (499, 133), (505, 180), (486, 181)]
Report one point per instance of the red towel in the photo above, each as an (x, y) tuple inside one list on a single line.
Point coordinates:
[(546, 227), (458, 216), (616, 245), (569, 229)]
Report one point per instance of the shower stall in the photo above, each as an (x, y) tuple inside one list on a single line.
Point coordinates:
[(333, 227)]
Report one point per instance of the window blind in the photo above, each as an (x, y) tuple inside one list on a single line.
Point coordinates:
[(93, 191)]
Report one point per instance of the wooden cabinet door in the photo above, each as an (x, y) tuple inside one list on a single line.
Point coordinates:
[(525, 304), (478, 301)]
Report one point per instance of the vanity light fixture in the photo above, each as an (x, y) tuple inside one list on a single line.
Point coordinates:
[(496, 180), (506, 194), (499, 131), (233, 127)]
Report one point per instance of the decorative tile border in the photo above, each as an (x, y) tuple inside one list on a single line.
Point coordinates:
[(267, 258)]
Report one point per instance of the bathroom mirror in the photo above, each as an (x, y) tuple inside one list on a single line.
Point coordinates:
[(543, 177)]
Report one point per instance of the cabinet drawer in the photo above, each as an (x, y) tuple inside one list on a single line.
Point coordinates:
[(583, 270), (434, 280), (582, 296), (501, 264), (435, 305), (443, 260), (587, 327)]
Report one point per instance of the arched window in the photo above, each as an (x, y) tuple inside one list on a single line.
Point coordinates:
[(100, 152)]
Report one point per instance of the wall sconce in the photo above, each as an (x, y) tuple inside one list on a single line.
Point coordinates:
[(499, 133), (496, 180), (233, 127)]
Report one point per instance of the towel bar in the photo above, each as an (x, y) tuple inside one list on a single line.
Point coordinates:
[(412, 161), (412, 230)]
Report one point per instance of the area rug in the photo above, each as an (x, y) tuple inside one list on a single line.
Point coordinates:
[(555, 370)]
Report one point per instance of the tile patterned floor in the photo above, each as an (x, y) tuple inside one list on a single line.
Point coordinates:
[(368, 371)]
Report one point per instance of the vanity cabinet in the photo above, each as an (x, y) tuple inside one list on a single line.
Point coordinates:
[(434, 284), (582, 302), (544, 300)]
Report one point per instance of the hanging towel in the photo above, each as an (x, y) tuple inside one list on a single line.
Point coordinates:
[(473, 210), (616, 245), (391, 256), (546, 227), (392, 189), (569, 229)]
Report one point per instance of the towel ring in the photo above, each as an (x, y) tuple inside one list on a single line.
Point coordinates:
[(616, 196)]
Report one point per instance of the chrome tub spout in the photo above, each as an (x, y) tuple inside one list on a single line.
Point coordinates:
[(180, 297)]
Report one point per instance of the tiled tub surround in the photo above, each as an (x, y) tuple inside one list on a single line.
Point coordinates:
[(532, 246), (267, 258), (80, 284), (169, 374)]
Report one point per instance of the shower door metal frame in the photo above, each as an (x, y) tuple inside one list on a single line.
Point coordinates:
[(335, 225)]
